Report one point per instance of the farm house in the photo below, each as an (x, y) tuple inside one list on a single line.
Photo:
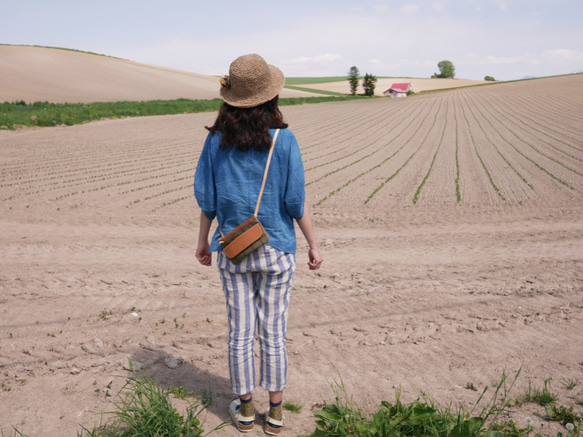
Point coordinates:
[(398, 90)]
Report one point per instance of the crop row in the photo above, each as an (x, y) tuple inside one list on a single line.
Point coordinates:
[(509, 150), (474, 146)]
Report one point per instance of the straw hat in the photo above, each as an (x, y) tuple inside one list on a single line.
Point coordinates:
[(251, 82)]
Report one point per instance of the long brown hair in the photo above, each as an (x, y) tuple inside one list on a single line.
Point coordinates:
[(248, 128)]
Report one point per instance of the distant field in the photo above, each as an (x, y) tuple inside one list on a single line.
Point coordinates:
[(384, 83), (313, 80), (335, 85)]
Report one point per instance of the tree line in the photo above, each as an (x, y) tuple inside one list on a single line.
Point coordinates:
[(446, 71), (368, 82)]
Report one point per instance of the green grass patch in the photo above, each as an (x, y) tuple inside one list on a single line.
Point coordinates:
[(423, 417), (314, 80), (542, 396), (293, 407), (44, 114), (145, 409), (315, 91)]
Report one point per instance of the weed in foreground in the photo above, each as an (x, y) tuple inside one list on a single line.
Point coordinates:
[(423, 417), (343, 418), (569, 383), (144, 409), (14, 433), (293, 407), (542, 397)]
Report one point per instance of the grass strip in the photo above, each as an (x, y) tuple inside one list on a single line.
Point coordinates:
[(45, 114), (314, 91), (424, 417), (313, 80)]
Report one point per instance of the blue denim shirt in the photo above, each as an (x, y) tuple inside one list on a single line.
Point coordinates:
[(227, 183)]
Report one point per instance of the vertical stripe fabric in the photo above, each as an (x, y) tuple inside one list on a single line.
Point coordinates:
[(257, 293)]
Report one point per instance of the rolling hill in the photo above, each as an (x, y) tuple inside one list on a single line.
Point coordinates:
[(64, 76)]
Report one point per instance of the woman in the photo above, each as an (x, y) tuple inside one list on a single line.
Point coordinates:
[(227, 184)]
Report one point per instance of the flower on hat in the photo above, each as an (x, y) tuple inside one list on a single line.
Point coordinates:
[(224, 80)]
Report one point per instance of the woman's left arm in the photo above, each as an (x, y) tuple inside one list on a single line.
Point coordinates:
[(203, 253)]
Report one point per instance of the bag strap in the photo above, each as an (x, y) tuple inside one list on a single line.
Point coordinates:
[(267, 164), (266, 171)]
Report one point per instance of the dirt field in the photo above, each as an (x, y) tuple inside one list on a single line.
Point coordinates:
[(383, 84), (39, 74), (450, 223)]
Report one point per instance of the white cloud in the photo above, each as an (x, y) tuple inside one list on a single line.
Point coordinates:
[(381, 7), (548, 57), (438, 6), (319, 59), (476, 4), (563, 56), (409, 8)]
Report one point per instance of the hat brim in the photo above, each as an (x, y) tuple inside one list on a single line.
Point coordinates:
[(265, 94)]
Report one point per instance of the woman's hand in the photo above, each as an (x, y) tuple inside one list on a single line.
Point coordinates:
[(315, 259), (305, 224), (203, 255)]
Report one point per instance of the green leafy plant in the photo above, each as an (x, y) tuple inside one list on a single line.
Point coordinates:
[(145, 409), (561, 414), (542, 396), (570, 384), (419, 418)]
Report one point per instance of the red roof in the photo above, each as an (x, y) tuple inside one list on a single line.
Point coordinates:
[(400, 86)]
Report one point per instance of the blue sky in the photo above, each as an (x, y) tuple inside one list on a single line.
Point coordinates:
[(507, 39)]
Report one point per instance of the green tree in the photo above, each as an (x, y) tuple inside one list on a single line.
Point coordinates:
[(353, 80), (446, 70), (369, 84), (490, 78)]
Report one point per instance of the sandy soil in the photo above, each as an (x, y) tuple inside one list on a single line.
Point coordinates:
[(450, 225), (38, 74)]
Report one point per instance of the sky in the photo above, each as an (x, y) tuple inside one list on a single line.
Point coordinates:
[(505, 39)]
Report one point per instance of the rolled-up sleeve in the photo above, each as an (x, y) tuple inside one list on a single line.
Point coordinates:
[(204, 186), (295, 193)]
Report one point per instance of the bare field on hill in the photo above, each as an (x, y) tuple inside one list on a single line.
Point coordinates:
[(450, 223), (384, 83), (39, 74)]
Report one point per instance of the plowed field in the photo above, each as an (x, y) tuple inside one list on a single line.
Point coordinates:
[(450, 224)]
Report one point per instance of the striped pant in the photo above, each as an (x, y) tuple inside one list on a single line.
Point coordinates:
[(257, 293)]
